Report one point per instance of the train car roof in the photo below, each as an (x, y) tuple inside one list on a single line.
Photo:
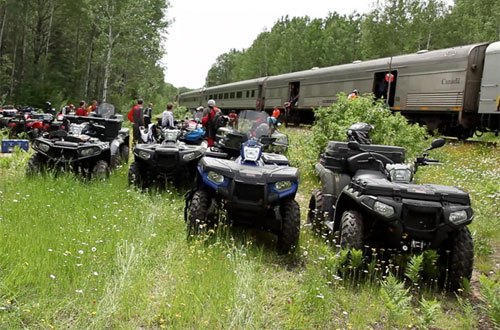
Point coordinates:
[(493, 48), (398, 61), (458, 53)]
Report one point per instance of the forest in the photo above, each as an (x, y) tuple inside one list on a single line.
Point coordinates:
[(111, 50)]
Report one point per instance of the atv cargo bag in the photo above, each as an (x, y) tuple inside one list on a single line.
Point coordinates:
[(422, 192), (337, 153), (9, 145)]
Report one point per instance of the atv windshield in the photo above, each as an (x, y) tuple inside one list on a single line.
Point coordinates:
[(253, 123), (105, 110)]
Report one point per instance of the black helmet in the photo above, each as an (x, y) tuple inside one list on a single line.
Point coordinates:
[(359, 132)]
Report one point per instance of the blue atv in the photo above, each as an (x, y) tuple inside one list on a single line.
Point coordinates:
[(256, 189)]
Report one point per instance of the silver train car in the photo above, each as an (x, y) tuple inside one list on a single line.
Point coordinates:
[(455, 90)]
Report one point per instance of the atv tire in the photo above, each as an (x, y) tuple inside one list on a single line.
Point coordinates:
[(135, 176), (199, 219), (461, 259), (315, 215), (124, 151), (100, 171), (351, 230), (36, 165), (288, 239)]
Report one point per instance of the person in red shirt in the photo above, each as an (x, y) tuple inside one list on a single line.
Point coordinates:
[(137, 119), (208, 122), (81, 111)]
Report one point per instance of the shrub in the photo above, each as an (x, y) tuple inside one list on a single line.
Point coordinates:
[(389, 128)]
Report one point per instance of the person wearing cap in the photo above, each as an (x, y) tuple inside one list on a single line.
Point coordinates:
[(208, 121), (353, 95), (148, 113), (198, 113)]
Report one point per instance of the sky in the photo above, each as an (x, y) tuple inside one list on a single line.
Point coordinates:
[(204, 29)]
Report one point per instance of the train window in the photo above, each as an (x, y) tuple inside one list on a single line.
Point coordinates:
[(226, 96), (253, 93), (248, 94), (220, 96), (238, 95), (210, 97), (232, 95)]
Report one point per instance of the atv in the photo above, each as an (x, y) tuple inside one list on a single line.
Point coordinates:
[(170, 155), (251, 124), (368, 198), (256, 189), (90, 146)]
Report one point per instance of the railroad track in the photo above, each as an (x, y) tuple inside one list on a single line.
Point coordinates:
[(486, 143)]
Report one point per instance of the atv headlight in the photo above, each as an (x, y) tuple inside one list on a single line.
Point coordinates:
[(43, 147), (458, 217), (144, 154), (171, 135), (215, 177), (189, 156), (89, 151), (400, 175), (383, 209), (251, 153), (282, 185)]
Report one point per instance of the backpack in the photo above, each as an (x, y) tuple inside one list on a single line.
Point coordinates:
[(218, 120), (130, 115)]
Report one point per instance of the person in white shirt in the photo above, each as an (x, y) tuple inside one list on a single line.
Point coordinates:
[(167, 118)]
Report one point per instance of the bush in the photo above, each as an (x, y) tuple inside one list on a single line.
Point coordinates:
[(390, 128)]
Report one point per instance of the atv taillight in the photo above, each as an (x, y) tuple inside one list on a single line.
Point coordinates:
[(12, 124)]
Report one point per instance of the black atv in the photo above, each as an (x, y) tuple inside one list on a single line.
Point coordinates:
[(256, 190), (165, 158), (89, 146), (368, 198), (250, 124)]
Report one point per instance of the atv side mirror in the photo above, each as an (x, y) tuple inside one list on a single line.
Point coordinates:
[(353, 145), (438, 143)]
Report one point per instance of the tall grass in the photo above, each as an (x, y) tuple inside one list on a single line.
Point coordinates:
[(96, 255)]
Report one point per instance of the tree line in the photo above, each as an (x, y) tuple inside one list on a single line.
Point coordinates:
[(392, 27), (61, 50)]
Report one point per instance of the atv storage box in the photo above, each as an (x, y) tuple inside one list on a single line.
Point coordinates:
[(337, 153), (277, 159), (423, 192), (9, 145)]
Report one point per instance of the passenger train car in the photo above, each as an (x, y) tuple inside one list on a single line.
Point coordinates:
[(455, 90)]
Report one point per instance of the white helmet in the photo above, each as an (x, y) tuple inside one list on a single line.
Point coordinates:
[(211, 103)]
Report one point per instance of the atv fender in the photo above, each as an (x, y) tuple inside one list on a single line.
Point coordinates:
[(331, 185)]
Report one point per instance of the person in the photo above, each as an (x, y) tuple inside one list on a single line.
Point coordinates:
[(167, 117), (233, 119), (208, 121), (81, 111), (92, 107), (353, 95), (360, 132), (276, 113), (198, 113), (137, 120), (148, 113)]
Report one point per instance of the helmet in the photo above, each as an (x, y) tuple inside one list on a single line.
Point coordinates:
[(211, 103), (359, 132), (200, 108)]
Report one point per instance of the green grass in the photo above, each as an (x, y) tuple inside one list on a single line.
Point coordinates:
[(101, 255)]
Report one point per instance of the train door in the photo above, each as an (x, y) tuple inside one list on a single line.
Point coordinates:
[(259, 104), (384, 86), (291, 113), (293, 93)]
